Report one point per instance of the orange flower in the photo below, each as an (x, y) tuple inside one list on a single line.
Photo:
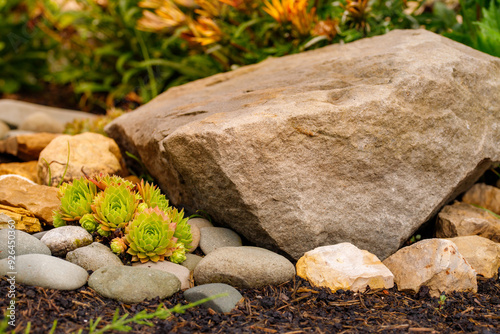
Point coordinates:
[(209, 8), (294, 11), (203, 31), (326, 28), (165, 17)]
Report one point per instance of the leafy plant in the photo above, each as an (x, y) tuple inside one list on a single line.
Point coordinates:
[(76, 199)]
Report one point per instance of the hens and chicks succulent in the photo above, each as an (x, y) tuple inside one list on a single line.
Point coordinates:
[(137, 216)]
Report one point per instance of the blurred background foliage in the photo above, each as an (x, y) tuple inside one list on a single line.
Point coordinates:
[(122, 53)]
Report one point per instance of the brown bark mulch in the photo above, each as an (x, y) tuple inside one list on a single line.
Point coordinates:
[(294, 307)]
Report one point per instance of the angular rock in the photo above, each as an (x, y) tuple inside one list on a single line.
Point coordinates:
[(482, 254), (46, 271), (191, 261), (219, 304), (92, 152), (133, 285), (485, 196), (26, 169), (243, 267), (26, 147), (93, 257), (435, 263), (65, 239), (23, 219), (213, 238), (24, 244), (41, 122), (461, 219), (344, 266), (181, 272), (328, 146), (38, 199)]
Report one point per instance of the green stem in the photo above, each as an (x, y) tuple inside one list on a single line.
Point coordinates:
[(145, 55)]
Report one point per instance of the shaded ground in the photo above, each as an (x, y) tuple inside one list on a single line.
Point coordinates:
[(293, 307)]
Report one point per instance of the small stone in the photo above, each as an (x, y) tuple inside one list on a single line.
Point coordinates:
[(41, 122), (39, 235), (482, 254), (244, 267), (219, 304), (191, 261), (24, 244), (4, 129), (26, 146), (132, 284), (344, 266), (93, 257), (65, 239), (182, 273), (26, 169), (485, 196), (46, 271), (217, 237), (92, 152), (200, 222), (435, 263), (23, 219), (195, 232)]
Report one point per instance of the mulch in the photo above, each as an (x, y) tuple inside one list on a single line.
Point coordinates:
[(293, 307)]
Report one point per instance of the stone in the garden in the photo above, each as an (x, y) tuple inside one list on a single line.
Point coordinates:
[(244, 267), (93, 257), (92, 152), (213, 238), (40, 200), (192, 261), (461, 219), (26, 147), (23, 219), (482, 254), (200, 222), (181, 272), (435, 263), (39, 235), (24, 244), (327, 146), (46, 271), (220, 304), (26, 169), (344, 266), (196, 234), (41, 122), (133, 285), (65, 239), (484, 196), (4, 129)]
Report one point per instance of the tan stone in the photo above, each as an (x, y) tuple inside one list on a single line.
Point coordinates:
[(91, 152), (26, 169), (196, 234), (484, 196), (435, 263), (461, 219), (37, 199), (482, 254), (27, 147), (344, 266), (23, 219)]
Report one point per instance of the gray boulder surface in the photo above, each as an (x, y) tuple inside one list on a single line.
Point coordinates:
[(358, 143)]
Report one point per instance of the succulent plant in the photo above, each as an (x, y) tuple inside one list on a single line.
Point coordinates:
[(151, 236), (57, 220), (152, 196), (114, 208), (183, 229), (76, 200), (118, 245), (89, 222), (102, 181), (179, 254)]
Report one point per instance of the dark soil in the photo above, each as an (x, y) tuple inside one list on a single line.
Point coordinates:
[(293, 307)]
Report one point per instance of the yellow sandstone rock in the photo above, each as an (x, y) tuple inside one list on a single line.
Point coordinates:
[(26, 169), (24, 220)]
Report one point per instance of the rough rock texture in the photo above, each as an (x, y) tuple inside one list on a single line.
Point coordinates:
[(485, 196), (359, 143), (344, 266), (93, 257), (23, 219), (435, 263), (26, 147), (65, 239), (461, 219), (26, 169), (39, 200), (24, 244), (482, 254), (93, 152)]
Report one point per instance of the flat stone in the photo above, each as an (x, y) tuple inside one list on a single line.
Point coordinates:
[(24, 244), (41, 122), (93, 257), (462, 219), (219, 304), (46, 271), (244, 267), (485, 196), (26, 169), (37, 199), (435, 263), (213, 238), (132, 284), (26, 147), (327, 146), (65, 239), (23, 219), (181, 272), (482, 254), (191, 261), (344, 266), (93, 152)]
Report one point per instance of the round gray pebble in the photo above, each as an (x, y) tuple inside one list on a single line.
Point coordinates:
[(217, 237), (24, 244), (64, 239), (93, 257), (219, 304)]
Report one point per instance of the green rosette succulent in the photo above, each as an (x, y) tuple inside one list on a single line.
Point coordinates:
[(89, 222), (76, 201), (118, 245), (114, 208), (179, 254), (183, 229), (151, 236), (152, 196), (57, 220), (102, 181)]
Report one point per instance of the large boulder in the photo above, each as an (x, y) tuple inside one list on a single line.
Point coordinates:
[(358, 143)]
